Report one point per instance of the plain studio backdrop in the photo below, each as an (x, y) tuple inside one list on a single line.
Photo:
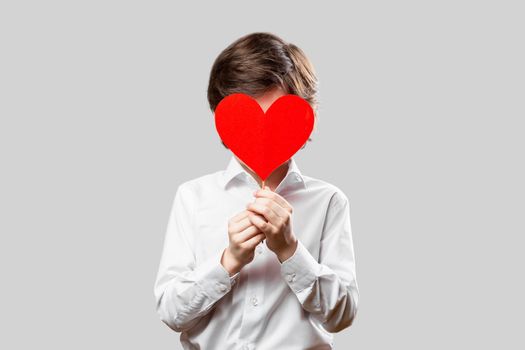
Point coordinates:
[(104, 113)]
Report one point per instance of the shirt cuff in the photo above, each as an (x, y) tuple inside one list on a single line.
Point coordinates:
[(234, 278), (300, 270), (213, 278)]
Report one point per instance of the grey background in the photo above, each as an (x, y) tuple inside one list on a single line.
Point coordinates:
[(103, 113)]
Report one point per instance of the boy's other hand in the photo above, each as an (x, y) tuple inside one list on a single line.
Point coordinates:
[(272, 214), (244, 237)]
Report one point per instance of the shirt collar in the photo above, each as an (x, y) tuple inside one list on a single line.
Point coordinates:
[(235, 169)]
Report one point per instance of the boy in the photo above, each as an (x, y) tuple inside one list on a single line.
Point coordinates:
[(250, 268)]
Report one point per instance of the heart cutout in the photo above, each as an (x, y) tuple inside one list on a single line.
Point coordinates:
[(264, 141)]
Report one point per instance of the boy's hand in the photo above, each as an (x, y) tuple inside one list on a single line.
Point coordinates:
[(244, 237), (272, 214)]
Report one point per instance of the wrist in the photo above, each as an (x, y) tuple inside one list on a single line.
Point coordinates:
[(229, 262), (285, 254)]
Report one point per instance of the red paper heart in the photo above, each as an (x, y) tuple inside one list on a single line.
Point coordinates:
[(263, 141)]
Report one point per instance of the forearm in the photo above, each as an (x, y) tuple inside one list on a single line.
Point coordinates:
[(320, 290), (183, 298)]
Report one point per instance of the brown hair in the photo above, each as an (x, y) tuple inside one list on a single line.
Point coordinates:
[(258, 62)]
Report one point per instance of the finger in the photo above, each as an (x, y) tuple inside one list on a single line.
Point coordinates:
[(240, 225), (283, 213), (265, 211), (265, 226), (254, 241), (267, 193), (248, 233), (239, 216), (255, 214)]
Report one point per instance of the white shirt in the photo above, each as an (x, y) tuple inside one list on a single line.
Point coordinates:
[(268, 305)]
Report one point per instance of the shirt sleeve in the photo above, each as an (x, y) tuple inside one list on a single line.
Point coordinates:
[(327, 288), (184, 291)]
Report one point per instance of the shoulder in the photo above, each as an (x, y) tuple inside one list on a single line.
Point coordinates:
[(196, 186), (336, 195)]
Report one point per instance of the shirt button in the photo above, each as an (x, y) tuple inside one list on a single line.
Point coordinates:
[(258, 249), (291, 277), (221, 287), (254, 301)]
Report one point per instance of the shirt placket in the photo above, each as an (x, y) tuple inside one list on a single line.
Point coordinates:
[(254, 297)]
